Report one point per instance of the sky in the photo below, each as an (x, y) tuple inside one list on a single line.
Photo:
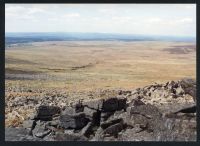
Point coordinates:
[(148, 19)]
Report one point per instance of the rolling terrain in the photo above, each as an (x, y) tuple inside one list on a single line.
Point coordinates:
[(51, 75), (92, 65)]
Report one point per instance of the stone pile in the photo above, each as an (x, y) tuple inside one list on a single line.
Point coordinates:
[(130, 116)]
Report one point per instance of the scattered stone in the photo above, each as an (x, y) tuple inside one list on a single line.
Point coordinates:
[(158, 112)]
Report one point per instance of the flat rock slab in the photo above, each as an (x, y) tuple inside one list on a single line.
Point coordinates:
[(149, 111), (107, 105), (96, 104), (92, 115), (106, 124), (74, 121), (46, 112)]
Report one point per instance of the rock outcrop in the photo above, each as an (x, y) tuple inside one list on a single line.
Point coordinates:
[(159, 112)]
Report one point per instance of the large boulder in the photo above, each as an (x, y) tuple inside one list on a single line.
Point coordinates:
[(113, 104), (46, 112), (147, 110), (105, 116), (107, 105), (92, 115), (109, 130), (113, 130), (148, 117), (106, 124), (73, 120), (87, 131), (189, 86), (96, 104), (178, 129)]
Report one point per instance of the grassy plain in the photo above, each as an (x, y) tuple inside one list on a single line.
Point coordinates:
[(90, 65)]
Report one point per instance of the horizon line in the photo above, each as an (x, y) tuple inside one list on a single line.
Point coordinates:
[(110, 33)]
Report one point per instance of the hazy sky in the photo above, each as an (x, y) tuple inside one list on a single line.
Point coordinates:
[(158, 19)]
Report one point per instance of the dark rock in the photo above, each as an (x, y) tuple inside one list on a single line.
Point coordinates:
[(46, 112), (187, 82), (29, 90), (78, 107), (107, 105), (172, 84), (110, 105), (191, 92), (92, 115), (174, 111), (147, 116), (106, 124), (122, 103), (137, 120), (119, 115), (94, 104), (187, 109), (87, 130), (105, 115), (113, 130), (146, 110), (113, 104), (74, 121), (189, 86), (120, 92)]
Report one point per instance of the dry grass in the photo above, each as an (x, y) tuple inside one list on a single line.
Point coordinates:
[(92, 65)]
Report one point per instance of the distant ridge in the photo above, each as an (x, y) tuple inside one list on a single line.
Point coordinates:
[(16, 38)]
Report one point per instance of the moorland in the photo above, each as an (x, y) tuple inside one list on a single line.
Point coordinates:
[(60, 72)]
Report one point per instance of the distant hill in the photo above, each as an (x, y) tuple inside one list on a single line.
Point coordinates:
[(16, 38)]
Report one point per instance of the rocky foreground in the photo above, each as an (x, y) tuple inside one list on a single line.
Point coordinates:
[(159, 112)]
